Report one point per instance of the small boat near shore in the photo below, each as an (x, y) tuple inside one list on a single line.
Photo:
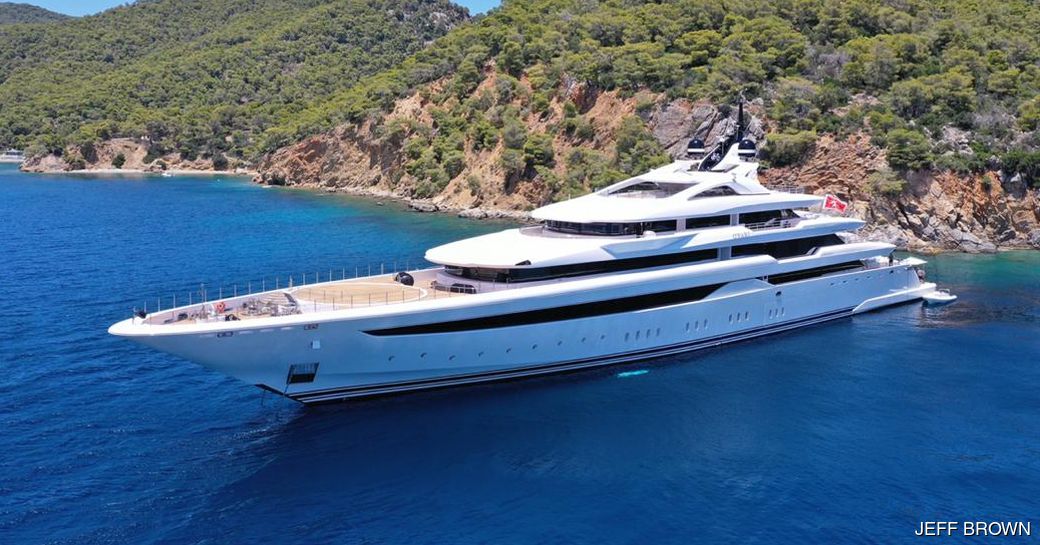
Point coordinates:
[(12, 156)]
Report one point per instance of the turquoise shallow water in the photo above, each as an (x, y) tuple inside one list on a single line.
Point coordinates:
[(852, 431)]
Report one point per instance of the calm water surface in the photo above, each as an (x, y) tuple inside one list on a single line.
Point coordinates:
[(849, 432)]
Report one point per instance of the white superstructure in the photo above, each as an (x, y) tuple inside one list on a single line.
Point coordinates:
[(12, 156), (690, 255)]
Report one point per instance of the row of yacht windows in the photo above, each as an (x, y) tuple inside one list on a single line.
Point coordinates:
[(668, 226), (779, 249), (611, 229)]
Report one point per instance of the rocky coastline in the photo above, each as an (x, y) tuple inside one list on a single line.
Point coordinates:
[(926, 211), (131, 156)]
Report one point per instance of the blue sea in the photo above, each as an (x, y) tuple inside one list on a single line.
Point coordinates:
[(851, 432)]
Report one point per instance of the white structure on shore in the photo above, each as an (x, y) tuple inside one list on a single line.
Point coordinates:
[(690, 255), (12, 156)]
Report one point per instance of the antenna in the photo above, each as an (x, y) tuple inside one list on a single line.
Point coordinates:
[(740, 117)]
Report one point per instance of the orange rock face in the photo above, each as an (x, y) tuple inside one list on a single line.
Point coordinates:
[(934, 211)]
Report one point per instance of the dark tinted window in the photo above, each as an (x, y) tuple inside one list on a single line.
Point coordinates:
[(806, 274), (710, 221), (786, 248), (721, 191), (765, 215), (580, 269), (662, 226), (610, 229), (556, 314), (600, 229)]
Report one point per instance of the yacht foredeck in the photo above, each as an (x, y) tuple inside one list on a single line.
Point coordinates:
[(353, 293)]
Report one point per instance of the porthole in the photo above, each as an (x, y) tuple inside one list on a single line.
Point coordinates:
[(583, 339), (423, 355), (480, 354), (647, 333), (391, 358), (658, 332), (687, 326), (451, 358), (626, 337), (637, 334), (746, 315), (602, 336), (534, 347), (508, 350), (731, 318)]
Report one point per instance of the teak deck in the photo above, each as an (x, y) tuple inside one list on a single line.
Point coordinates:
[(377, 290)]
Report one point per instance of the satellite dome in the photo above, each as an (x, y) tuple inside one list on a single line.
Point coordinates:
[(746, 147), (695, 146)]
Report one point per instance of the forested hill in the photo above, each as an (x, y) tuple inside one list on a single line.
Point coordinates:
[(198, 77), (879, 100), (11, 13), (907, 71)]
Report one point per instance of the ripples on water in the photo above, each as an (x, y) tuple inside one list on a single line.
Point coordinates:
[(850, 431)]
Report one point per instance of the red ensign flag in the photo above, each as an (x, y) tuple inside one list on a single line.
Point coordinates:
[(835, 203)]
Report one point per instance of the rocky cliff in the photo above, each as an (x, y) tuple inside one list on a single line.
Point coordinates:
[(924, 211), (370, 159), (928, 211), (129, 154)]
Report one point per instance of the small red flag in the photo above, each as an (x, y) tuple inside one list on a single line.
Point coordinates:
[(835, 203)]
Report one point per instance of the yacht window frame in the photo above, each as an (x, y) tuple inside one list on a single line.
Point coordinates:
[(535, 274)]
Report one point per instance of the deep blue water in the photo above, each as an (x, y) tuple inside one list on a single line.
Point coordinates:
[(849, 432)]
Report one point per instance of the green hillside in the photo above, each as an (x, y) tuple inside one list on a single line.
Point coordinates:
[(11, 13), (950, 84), (904, 70), (198, 76)]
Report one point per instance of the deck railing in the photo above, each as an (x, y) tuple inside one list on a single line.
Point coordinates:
[(210, 292), (773, 224), (786, 188)]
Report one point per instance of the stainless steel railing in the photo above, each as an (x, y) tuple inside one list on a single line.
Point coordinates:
[(786, 188), (773, 224), (210, 292)]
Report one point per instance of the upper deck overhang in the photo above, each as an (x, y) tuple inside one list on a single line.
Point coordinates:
[(597, 208), (533, 247)]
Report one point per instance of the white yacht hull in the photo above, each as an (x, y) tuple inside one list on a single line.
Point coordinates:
[(355, 362)]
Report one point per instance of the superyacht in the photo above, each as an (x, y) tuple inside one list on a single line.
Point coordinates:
[(690, 255)]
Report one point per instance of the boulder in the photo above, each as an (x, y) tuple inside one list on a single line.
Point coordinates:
[(473, 213), (1034, 238), (423, 206), (956, 140)]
